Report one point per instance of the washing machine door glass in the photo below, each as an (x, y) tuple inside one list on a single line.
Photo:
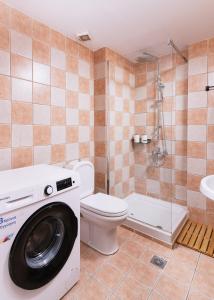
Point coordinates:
[(43, 245)]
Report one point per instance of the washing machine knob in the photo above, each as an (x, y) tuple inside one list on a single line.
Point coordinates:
[(48, 190)]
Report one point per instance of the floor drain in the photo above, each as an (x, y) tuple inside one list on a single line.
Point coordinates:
[(158, 261)]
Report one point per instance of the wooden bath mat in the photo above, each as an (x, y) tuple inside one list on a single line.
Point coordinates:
[(199, 237)]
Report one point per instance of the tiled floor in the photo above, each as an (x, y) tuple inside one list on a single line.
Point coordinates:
[(129, 275)]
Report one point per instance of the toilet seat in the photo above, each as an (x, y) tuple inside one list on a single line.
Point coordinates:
[(105, 205)]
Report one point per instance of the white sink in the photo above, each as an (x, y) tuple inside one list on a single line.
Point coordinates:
[(207, 186)]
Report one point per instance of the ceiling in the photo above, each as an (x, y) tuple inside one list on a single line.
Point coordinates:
[(126, 26)]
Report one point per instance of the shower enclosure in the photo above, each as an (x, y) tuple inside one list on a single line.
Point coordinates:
[(143, 100)]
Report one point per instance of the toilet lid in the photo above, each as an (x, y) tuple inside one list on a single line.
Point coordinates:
[(105, 205)]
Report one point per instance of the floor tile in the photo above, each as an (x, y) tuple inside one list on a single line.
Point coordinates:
[(94, 290), (132, 248), (129, 275), (195, 295), (124, 234), (131, 289), (109, 276), (155, 296), (206, 263), (91, 260), (203, 281), (146, 274), (122, 261), (171, 289), (179, 271), (185, 255)]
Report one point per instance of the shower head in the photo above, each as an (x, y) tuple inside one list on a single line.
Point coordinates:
[(146, 57)]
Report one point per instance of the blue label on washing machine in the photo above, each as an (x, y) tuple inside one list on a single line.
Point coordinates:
[(6, 222)]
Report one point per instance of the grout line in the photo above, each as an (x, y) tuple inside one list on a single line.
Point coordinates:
[(193, 276)]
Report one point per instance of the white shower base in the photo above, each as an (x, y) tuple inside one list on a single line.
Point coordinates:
[(159, 219)]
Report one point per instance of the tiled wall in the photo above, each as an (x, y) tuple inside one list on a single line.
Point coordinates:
[(114, 122), (189, 120), (46, 94), (121, 129), (47, 111), (100, 113), (169, 181), (200, 147)]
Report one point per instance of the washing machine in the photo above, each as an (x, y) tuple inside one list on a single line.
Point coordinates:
[(39, 232)]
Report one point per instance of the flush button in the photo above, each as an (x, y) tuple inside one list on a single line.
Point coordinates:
[(48, 190)]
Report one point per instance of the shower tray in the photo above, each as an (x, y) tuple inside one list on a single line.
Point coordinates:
[(156, 218)]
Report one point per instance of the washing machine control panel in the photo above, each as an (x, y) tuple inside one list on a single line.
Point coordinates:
[(48, 190), (64, 184)]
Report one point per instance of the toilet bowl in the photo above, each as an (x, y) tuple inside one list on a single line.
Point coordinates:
[(100, 213)]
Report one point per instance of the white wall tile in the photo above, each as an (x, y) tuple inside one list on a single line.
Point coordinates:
[(72, 82), (180, 192), (118, 133), (118, 104), (210, 118), (84, 101), (197, 133), (111, 88), (210, 150), (118, 162), (140, 119), (181, 102), (5, 111), (141, 93), (41, 73), (196, 199), (57, 134), (42, 155), (126, 92), (118, 74), (140, 171), (72, 151), (197, 65), (72, 116), (153, 186), (197, 99), (211, 78), (181, 163), (21, 90), (41, 114), (196, 166), (22, 135), (125, 174), (84, 134), (57, 58), (126, 119), (84, 68), (132, 80), (169, 89), (166, 175), (57, 96), (5, 159)]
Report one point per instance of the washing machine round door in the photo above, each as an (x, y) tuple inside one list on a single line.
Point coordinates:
[(43, 245)]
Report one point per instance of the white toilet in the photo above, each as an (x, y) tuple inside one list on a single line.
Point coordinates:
[(100, 213)]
